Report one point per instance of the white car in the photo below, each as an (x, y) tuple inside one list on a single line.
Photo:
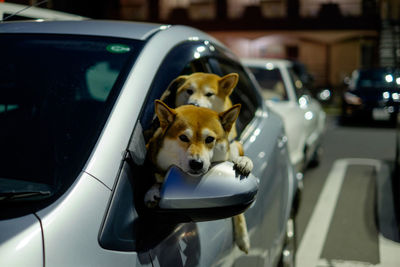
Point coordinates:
[(303, 116), (11, 11), (76, 103)]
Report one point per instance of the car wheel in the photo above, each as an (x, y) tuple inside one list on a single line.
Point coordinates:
[(288, 255), (316, 157)]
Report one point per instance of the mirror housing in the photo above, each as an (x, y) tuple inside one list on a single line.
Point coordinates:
[(218, 194)]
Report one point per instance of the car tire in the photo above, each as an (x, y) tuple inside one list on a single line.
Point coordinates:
[(316, 157), (288, 254)]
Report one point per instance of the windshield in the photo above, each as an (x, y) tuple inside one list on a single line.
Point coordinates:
[(55, 96), (271, 82), (381, 78)]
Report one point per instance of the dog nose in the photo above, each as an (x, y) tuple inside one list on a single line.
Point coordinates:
[(195, 164)]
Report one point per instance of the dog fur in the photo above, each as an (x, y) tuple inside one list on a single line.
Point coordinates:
[(192, 138), (212, 91)]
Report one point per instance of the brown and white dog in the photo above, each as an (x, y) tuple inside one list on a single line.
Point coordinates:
[(192, 138), (210, 91)]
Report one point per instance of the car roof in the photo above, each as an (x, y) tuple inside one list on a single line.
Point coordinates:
[(262, 61), (122, 29), (32, 12)]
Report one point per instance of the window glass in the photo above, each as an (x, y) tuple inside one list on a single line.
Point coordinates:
[(55, 95), (271, 82), (300, 90), (182, 60), (244, 93)]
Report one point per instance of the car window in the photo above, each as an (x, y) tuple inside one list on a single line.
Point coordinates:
[(126, 222), (181, 60), (244, 93), (271, 82), (380, 77), (300, 90), (55, 96)]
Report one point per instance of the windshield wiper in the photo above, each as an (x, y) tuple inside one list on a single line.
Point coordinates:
[(24, 195)]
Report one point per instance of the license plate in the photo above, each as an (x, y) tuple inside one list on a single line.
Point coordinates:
[(380, 114)]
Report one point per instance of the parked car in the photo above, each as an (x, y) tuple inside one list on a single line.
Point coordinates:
[(12, 11), (303, 116), (372, 93), (76, 99)]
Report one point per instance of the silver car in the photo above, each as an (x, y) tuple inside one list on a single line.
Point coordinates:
[(76, 101)]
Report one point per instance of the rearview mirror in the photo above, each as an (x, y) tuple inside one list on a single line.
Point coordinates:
[(218, 194)]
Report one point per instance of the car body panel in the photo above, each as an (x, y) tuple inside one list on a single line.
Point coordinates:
[(73, 224), (21, 242), (304, 123), (71, 228)]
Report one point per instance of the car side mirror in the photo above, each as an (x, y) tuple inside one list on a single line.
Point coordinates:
[(220, 193)]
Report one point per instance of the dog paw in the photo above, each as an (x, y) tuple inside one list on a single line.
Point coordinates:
[(243, 165), (152, 197)]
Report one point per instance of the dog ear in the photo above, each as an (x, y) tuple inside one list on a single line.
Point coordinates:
[(176, 83), (228, 82), (165, 114), (229, 117), (169, 94)]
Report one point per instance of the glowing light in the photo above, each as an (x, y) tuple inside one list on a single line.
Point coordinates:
[(398, 80), (201, 49), (389, 78), (325, 94), (396, 97), (308, 115), (386, 95), (298, 84), (269, 66), (164, 27), (193, 38), (196, 55), (303, 102)]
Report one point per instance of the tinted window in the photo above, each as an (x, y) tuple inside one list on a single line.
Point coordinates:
[(271, 83), (244, 93), (55, 95), (379, 78)]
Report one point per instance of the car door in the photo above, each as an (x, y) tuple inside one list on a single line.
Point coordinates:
[(166, 243), (310, 112), (261, 132)]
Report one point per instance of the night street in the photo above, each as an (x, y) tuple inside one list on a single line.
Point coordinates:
[(346, 197)]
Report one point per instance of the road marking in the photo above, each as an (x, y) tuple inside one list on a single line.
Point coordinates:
[(314, 237)]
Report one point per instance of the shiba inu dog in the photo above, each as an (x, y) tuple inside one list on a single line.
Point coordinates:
[(204, 90), (192, 138), (210, 91)]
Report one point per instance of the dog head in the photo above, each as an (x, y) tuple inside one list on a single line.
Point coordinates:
[(192, 135), (204, 90)]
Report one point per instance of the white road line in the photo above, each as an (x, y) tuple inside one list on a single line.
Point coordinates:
[(314, 237), (317, 228)]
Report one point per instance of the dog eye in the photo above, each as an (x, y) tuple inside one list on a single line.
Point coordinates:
[(209, 139), (183, 138), (189, 91), (209, 94)]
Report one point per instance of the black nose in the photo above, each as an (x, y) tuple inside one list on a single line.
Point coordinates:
[(194, 104), (195, 164)]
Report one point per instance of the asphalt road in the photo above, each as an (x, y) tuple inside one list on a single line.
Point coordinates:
[(347, 214)]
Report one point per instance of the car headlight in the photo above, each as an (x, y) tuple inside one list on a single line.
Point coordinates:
[(352, 99)]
